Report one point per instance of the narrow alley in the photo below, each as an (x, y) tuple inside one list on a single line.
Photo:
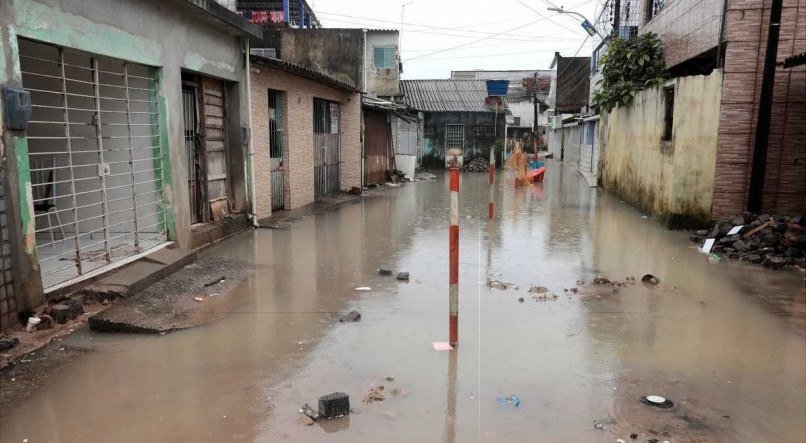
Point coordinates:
[(579, 364)]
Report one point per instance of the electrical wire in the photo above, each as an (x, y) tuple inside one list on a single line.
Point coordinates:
[(474, 41), (441, 28)]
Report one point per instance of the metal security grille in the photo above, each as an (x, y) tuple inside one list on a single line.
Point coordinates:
[(192, 147), (454, 136), (326, 147), (276, 150), (95, 159), (8, 300)]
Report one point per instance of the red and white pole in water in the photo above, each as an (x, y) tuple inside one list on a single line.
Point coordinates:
[(453, 260), (490, 209)]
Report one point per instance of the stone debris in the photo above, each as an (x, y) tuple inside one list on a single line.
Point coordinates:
[(8, 343), (477, 165), (424, 176), (304, 420), (334, 405), (397, 391), (308, 411), (496, 284), (375, 394), (385, 272), (541, 293), (776, 242), (352, 316), (403, 276), (67, 309)]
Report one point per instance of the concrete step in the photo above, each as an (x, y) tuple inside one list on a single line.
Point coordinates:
[(140, 274)]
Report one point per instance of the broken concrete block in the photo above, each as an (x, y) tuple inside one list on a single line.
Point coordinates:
[(334, 405), (66, 310), (350, 317), (403, 276)]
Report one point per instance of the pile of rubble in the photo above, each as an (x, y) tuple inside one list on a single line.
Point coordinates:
[(776, 242), (476, 165)]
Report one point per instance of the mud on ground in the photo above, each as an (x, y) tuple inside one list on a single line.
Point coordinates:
[(25, 375), (189, 297)]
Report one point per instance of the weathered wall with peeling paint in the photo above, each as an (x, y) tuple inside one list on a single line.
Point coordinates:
[(674, 184), (173, 36)]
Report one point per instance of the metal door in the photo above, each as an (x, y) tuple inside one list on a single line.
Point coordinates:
[(276, 172), (377, 145), (192, 152), (326, 147), (215, 152), (96, 161)]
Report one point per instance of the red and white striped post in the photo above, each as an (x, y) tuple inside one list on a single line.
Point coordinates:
[(453, 259), (490, 207)]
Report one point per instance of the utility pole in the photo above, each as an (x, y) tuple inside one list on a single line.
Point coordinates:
[(616, 16), (758, 170)]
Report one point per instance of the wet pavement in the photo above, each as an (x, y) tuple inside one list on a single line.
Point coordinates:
[(734, 366)]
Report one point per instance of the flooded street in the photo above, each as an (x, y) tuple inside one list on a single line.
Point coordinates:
[(734, 366)]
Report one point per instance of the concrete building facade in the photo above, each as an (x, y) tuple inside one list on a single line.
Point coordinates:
[(107, 128)]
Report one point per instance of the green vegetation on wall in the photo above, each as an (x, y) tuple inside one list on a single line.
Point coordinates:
[(629, 66)]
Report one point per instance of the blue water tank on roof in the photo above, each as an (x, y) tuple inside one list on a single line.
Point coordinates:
[(497, 88)]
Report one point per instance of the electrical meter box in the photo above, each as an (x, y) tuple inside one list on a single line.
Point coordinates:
[(16, 107)]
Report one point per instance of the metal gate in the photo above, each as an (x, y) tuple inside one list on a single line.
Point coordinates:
[(8, 298), (276, 150), (377, 145), (326, 147), (192, 152), (95, 160)]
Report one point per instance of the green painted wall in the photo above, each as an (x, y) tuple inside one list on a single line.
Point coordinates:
[(36, 21)]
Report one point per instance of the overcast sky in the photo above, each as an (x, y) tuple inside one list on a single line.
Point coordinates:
[(444, 35)]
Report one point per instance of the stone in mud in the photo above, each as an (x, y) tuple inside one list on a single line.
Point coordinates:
[(384, 272), (600, 280), (774, 262), (403, 276), (753, 258), (66, 310), (350, 317), (304, 420), (334, 405), (8, 343)]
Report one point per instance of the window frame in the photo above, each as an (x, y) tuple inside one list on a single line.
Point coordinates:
[(386, 47)]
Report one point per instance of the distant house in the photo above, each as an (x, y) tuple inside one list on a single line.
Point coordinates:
[(568, 139), (367, 58), (526, 97), (306, 135), (453, 116)]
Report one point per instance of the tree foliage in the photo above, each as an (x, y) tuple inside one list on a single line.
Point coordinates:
[(627, 67)]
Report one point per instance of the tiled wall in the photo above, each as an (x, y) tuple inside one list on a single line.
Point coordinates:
[(785, 179), (686, 27), (297, 102)]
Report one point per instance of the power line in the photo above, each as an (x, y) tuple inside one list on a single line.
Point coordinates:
[(478, 40), (441, 28), (491, 55), (419, 31), (545, 17)]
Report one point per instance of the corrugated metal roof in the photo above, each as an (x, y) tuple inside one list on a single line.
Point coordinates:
[(447, 95)]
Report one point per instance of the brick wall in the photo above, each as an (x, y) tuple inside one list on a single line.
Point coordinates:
[(686, 27), (785, 180), (297, 125)]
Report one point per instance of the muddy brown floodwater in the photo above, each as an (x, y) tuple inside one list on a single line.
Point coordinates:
[(734, 366)]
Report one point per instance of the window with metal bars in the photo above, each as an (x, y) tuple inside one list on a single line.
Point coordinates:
[(668, 117), (275, 124)]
